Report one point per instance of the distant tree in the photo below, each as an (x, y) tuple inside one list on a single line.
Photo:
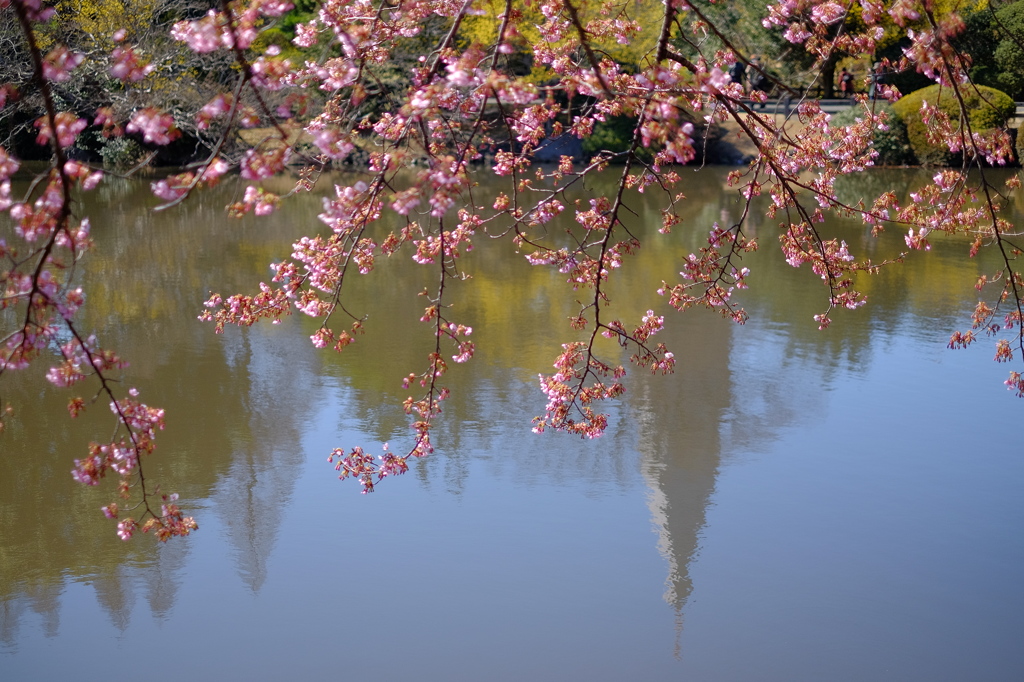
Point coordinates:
[(991, 39)]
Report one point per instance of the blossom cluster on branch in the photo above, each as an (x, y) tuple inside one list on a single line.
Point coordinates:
[(468, 103)]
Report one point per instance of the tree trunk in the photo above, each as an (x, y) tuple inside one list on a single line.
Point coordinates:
[(828, 77)]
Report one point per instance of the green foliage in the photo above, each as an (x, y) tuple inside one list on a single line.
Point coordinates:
[(993, 40), (283, 40), (974, 40), (283, 31), (613, 135), (979, 41), (985, 107), (1009, 54), (121, 153), (481, 28), (747, 35), (892, 145)]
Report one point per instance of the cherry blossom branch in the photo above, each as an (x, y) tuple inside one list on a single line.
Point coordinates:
[(49, 300), (574, 17), (458, 99)]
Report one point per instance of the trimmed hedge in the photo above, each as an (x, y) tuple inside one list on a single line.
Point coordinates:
[(615, 135), (892, 145), (986, 108)]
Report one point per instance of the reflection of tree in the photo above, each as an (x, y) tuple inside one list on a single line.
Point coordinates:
[(236, 404), (42, 599), (735, 387), (852, 187), (10, 614), (675, 421), (116, 594), (163, 577), (152, 272)]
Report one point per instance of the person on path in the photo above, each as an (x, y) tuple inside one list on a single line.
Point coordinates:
[(877, 80), (737, 73), (845, 83), (758, 79)]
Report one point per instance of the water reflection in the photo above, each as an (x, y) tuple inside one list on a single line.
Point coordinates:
[(241, 405), (265, 460), (233, 424), (680, 464)]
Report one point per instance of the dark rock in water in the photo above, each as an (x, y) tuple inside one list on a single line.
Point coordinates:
[(553, 149), (725, 152)]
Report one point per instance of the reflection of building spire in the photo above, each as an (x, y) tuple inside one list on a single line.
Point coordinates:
[(681, 447)]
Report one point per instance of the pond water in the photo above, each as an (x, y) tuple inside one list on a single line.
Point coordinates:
[(790, 505)]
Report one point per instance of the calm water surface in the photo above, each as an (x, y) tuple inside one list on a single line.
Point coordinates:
[(790, 505)]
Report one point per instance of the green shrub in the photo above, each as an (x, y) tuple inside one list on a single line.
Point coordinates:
[(613, 135), (892, 145), (986, 108), (121, 153)]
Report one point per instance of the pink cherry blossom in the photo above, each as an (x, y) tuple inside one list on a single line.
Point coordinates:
[(155, 126), (59, 64), (128, 66)]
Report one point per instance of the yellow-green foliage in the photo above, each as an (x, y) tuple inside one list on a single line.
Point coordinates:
[(985, 107), (482, 29), (649, 15), (98, 20), (90, 26)]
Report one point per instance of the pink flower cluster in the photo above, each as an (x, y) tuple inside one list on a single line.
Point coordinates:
[(128, 65), (176, 187), (261, 164), (155, 126), (215, 108), (570, 396), (68, 126), (709, 278), (364, 467), (59, 63)]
